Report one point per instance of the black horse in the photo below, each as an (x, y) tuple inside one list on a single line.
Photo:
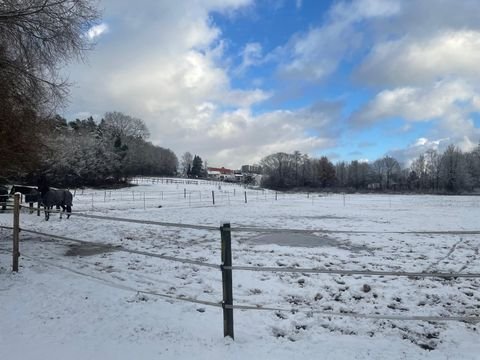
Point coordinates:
[(57, 198), (3, 197)]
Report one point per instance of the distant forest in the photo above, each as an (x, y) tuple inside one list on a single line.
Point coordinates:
[(452, 171)]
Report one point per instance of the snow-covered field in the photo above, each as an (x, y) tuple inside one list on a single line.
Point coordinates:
[(70, 301)]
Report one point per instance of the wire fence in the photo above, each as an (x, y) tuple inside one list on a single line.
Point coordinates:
[(123, 249), (309, 310), (256, 229), (193, 193), (227, 268), (125, 287)]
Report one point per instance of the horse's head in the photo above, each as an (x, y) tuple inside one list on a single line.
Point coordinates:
[(42, 184)]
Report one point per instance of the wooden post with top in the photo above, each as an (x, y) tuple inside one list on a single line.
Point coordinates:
[(227, 280), (16, 231)]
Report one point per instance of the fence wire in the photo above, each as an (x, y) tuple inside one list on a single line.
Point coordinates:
[(125, 287), (259, 307), (266, 269), (122, 249), (470, 319), (267, 230), (144, 222), (327, 231), (352, 272)]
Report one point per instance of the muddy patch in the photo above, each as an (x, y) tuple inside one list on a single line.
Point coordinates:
[(306, 240), (88, 249)]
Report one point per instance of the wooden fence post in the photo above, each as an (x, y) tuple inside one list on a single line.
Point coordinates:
[(245, 197), (227, 280), (16, 231), (213, 197), (184, 193), (38, 207)]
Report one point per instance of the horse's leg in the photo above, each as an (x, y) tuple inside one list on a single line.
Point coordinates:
[(57, 207), (47, 213), (69, 211)]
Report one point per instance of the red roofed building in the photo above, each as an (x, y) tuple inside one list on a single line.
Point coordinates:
[(221, 173)]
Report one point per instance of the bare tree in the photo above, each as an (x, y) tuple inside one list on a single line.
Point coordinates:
[(297, 156), (186, 163), (276, 169), (124, 127), (433, 160), (453, 171), (36, 37), (378, 170), (392, 169)]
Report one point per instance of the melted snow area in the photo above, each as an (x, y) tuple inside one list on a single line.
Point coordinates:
[(73, 300)]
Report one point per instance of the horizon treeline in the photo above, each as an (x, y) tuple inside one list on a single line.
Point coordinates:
[(452, 171)]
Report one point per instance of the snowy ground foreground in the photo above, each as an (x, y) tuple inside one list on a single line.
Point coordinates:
[(86, 307)]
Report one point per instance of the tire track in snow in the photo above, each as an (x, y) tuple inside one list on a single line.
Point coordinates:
[(471, 260), (452, 249)]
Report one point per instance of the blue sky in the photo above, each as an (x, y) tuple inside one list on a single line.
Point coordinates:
[(236, 80)]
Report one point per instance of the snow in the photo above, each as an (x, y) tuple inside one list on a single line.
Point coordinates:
[(87, 306)]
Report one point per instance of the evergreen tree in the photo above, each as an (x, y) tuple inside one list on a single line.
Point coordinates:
[(197, 167)]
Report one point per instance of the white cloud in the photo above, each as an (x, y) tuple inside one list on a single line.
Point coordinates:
[(244, 136), (251, 56), (97, 30), (448, 105), (408, 154), (449, 54), (231, 138), (418, 104)]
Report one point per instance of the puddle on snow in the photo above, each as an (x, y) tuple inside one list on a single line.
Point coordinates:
[(88, 250), (305, 240)]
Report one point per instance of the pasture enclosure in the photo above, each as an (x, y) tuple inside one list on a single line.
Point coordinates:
[(387, 263)]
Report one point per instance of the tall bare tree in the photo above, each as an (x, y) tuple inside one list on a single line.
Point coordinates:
[(186, 163), (36, 38), (124, 127)]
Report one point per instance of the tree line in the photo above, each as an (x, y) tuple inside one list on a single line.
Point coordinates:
[(452, 171), (82, 152)]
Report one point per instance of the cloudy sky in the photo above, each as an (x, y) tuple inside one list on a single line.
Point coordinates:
[(236, 80)]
